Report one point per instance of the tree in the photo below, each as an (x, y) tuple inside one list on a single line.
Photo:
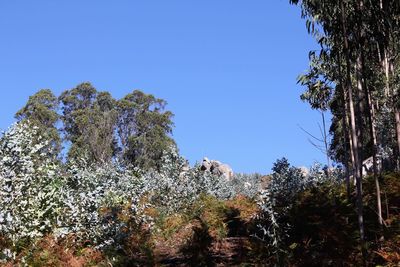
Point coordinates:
[(89, 119), (41, 112), (337, 37), (99, 134), (144, 129)]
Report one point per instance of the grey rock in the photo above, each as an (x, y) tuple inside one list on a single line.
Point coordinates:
[(368, 166), (217, 168)]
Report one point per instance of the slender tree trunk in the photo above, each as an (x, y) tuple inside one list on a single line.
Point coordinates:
[(375, 163), (354, 129), (371, 121), (387, 206), (326, 143), (352, 152), (345, 130), (389, 70), (397, 118), (386, 70), (356, 135), (359, 8)]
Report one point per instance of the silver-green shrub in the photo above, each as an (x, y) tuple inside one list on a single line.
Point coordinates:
[(28, 186), (40, 196), (277, 199)]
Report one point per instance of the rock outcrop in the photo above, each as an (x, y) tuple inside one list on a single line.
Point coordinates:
[(368, 166), (217, 168)]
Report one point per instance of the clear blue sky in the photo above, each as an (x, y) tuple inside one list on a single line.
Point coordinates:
[(227, 68)]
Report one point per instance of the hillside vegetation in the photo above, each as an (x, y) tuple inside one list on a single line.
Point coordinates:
[(90, 180), (80, 214)]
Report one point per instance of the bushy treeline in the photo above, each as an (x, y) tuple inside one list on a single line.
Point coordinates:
[(85, 123)]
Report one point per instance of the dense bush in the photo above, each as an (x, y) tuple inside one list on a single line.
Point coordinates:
[(247, 185), (98, 205), (28, 187), (94, 200), (278, 198), (176, 186)]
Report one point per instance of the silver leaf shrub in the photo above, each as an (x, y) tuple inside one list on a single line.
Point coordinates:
[(276, 200), (28, 187), (40, 196)]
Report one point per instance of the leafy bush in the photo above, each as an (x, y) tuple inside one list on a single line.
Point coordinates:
[(94, 201), (246, 184), (28, 187), (99, 205), (278, 198), (176, 186)]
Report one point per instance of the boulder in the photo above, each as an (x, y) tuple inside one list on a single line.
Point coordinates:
[(206, 164), (368, 166), (217, 168)]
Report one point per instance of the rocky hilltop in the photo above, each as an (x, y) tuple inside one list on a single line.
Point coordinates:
[(218, 168)]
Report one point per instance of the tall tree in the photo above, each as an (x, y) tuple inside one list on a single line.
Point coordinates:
[(338, 35), (89, 121), (144, 129), (41, 112)]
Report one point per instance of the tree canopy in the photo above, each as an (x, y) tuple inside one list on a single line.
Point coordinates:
[(96, 127)]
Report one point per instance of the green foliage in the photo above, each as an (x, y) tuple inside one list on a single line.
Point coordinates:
[(324, 227), (41, 112), (358, 50), (212, 213), (136, 129), (89, 119), (319, 89), (144, 128), (28, 186), (279, 198)]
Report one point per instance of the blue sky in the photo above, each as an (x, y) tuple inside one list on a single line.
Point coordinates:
[(227, 68)]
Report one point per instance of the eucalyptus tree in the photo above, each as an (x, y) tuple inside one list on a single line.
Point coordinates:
[(28, 197), (99, 134), (338, 35), (359, 58), (41, 112), (144, 129), (89, 119)]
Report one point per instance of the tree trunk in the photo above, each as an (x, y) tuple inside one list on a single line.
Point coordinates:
[(397, 117), (354, 129), (357, 133), (371, 121), (326, 143), (352, 152), (359, 147), (346, 135)]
